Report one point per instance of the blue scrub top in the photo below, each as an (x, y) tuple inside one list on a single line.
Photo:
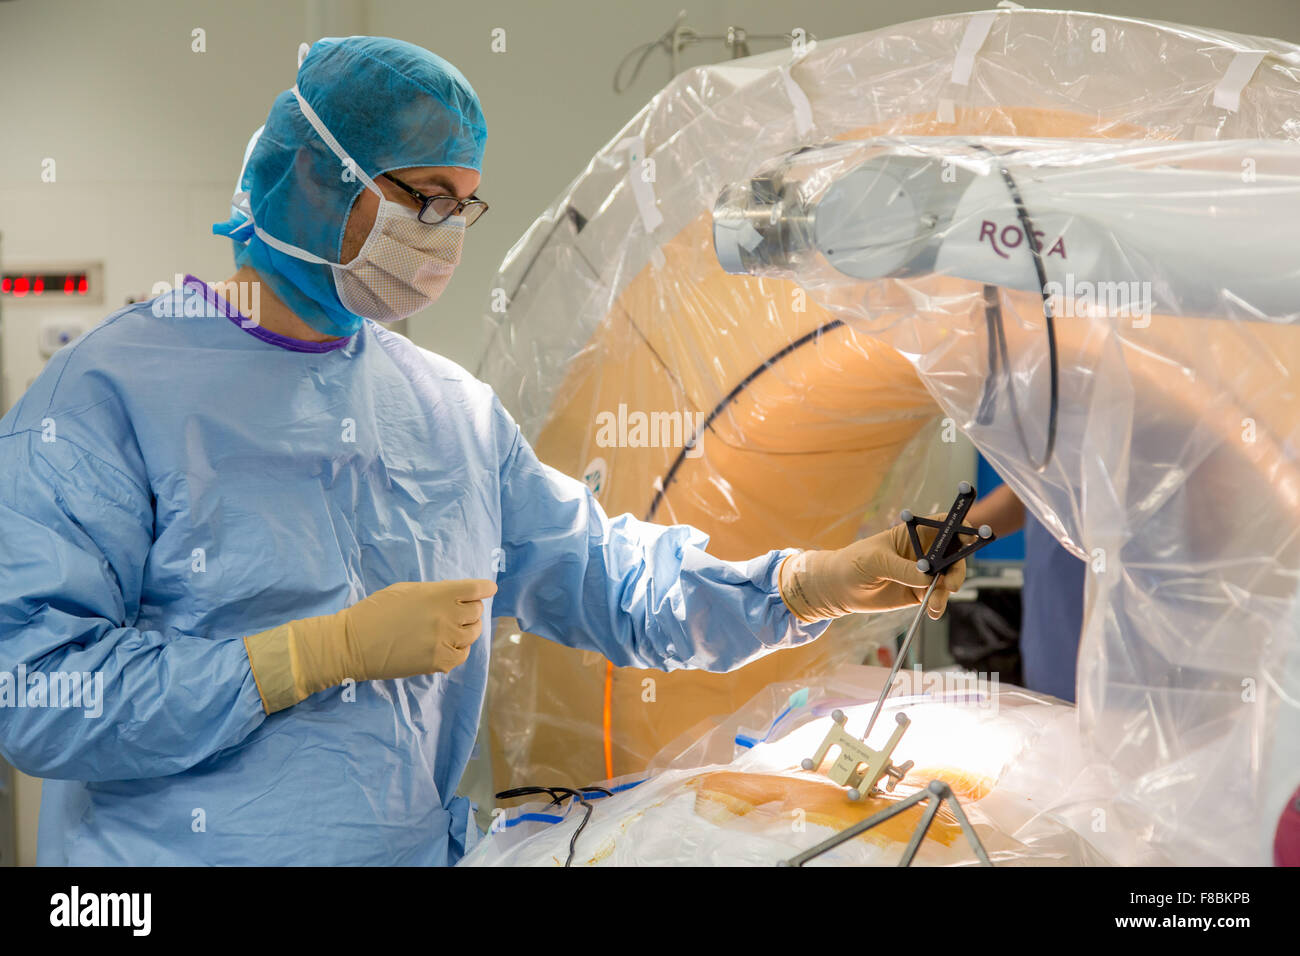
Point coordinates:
[(1052, 613), (173, 482)]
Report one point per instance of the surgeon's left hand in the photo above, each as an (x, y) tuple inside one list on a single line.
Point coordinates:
[(870, 575), (404, 630)]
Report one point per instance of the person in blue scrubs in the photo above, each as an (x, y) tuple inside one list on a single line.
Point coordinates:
[(1051, 620), (248, 554)]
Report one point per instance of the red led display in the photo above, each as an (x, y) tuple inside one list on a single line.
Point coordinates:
[(21, 285)]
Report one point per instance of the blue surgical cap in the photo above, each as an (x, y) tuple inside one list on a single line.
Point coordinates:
[(390, 105)]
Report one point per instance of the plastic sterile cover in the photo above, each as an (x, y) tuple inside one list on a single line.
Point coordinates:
[(1145, 410), (823, 396), (736, 795)]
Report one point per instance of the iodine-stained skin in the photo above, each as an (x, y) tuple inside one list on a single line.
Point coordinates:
[(742, 794)]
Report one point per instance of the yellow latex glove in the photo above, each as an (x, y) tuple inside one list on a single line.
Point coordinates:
[(870, 575), (416, 627)]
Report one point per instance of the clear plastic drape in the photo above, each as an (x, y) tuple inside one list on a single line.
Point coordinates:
[(812, 402)]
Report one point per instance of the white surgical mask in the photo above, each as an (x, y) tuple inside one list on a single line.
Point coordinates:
[(404, 264)]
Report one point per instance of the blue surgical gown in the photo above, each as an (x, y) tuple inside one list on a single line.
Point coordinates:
[(171, 483)]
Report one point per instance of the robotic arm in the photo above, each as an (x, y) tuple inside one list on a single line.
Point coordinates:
[(1185, 228)]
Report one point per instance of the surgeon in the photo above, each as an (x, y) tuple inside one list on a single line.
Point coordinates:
[(276, 535)]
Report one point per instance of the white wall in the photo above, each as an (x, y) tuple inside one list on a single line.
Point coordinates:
[(148, 135)]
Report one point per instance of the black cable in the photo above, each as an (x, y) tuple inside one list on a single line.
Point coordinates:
[(1049, 320), (558, 795), (984, 414), (765, 366)]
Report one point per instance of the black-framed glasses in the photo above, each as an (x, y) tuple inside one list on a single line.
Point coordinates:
[(437, 209)]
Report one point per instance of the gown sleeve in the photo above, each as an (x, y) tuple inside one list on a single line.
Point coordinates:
[(102, 700), (641, 594)]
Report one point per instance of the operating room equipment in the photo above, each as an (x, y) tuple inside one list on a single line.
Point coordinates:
[(1033, 217), (1172, 473), (679, 37), (558, 795), (717, 798), (857, 766), (975, 210), (1171, 205), (44, 305), (936, 792), (945, 550)]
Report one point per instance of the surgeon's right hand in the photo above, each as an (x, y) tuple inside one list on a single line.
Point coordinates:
[(872, 574), (416, 627)]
